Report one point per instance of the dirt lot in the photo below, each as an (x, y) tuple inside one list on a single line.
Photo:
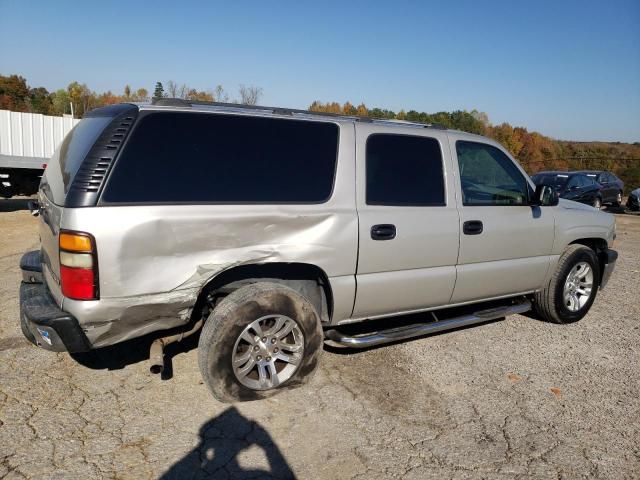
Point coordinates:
[(511, 399)]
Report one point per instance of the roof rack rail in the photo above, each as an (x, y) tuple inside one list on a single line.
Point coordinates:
[(179, 102)]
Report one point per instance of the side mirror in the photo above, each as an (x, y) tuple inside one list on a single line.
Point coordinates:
[(545, 196)]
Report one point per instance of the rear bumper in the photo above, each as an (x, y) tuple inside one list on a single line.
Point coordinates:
[(50, 327), (611, 256)]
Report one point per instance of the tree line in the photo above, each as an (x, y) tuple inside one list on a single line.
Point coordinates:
[(77, 98), (534, 151)]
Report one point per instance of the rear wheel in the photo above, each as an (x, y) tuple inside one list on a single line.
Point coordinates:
[(261, 339), (572, 288)]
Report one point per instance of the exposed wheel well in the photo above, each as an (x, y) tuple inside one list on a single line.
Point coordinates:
[(309, 280)]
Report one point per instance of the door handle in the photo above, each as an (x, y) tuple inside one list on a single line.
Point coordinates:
[(384, 231), (472, 227)]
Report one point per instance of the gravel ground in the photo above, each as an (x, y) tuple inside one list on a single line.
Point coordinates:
[(517, 398)]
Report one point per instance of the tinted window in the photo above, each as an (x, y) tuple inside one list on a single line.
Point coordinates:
[(574, 181), (404, 170), (68, 157), (489, 177), (555, 181), (193, 157)]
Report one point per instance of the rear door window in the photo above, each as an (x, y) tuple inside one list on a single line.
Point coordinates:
[(211, 158), (404, 170)]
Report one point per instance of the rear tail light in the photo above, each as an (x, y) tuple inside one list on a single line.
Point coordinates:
[(78, 266)]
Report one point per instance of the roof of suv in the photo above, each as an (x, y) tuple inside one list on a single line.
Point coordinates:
[(200, 106)]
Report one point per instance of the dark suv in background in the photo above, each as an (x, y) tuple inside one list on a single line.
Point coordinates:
[(572, 186), (612, 186)]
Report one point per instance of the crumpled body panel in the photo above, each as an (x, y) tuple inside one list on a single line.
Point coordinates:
[(153, 260)]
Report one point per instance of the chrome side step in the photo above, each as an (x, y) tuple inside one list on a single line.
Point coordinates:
[(365, 340)]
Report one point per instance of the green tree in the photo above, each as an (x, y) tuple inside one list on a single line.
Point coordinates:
[(39, 101), (60, 101), (159, 90)]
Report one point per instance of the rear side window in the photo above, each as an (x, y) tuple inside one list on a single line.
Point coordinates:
[(210, 158), (404, 170)]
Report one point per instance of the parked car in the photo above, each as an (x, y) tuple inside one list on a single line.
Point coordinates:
[(259, 223), (612, 187), (572, 186), (633, 202)]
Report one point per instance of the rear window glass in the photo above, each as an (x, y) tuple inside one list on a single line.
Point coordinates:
[(68, 157), (404, 170), (210, 158), (556, 181)]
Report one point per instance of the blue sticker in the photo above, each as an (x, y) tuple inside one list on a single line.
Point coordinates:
[(45, 335)]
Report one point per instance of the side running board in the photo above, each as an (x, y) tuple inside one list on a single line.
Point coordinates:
[(365, 340)]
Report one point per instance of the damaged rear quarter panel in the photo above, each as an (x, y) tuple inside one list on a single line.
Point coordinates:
[(154, 259)]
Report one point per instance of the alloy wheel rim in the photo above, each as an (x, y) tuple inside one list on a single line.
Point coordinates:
[(268, 352), (596, 204), (578, 287)]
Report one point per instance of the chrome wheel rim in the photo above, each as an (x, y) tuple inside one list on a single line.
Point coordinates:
[(268, 352), (578, 287)]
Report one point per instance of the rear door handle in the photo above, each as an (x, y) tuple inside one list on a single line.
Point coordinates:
[(472, 227), (384, 231)]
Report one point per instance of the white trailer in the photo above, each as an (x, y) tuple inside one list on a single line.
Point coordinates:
[(27, 141)]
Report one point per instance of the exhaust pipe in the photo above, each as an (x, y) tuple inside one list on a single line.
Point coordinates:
[(156, 352), (156, 357)]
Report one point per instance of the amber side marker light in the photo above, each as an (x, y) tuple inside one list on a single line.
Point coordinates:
[(78, 266)]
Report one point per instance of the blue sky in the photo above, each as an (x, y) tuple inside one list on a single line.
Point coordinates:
[(569, 69)]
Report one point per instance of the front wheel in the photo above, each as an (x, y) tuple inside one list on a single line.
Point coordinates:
[(597, 203), (618, 200), (261, 339), (572, 288)]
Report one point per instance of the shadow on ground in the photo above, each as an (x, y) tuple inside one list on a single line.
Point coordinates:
[(222, 440), (14, 204), (118, 356)]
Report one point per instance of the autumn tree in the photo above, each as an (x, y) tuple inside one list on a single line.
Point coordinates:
[(362, 110), (80, 97), (13, 93), (141, 95), (202, 96)]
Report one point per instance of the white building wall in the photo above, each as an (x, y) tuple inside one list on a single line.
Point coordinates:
[(32, 134)]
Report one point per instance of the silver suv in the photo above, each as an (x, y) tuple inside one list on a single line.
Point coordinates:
[(272, 229)]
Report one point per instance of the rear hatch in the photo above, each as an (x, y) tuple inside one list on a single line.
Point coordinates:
[(70, 160)]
